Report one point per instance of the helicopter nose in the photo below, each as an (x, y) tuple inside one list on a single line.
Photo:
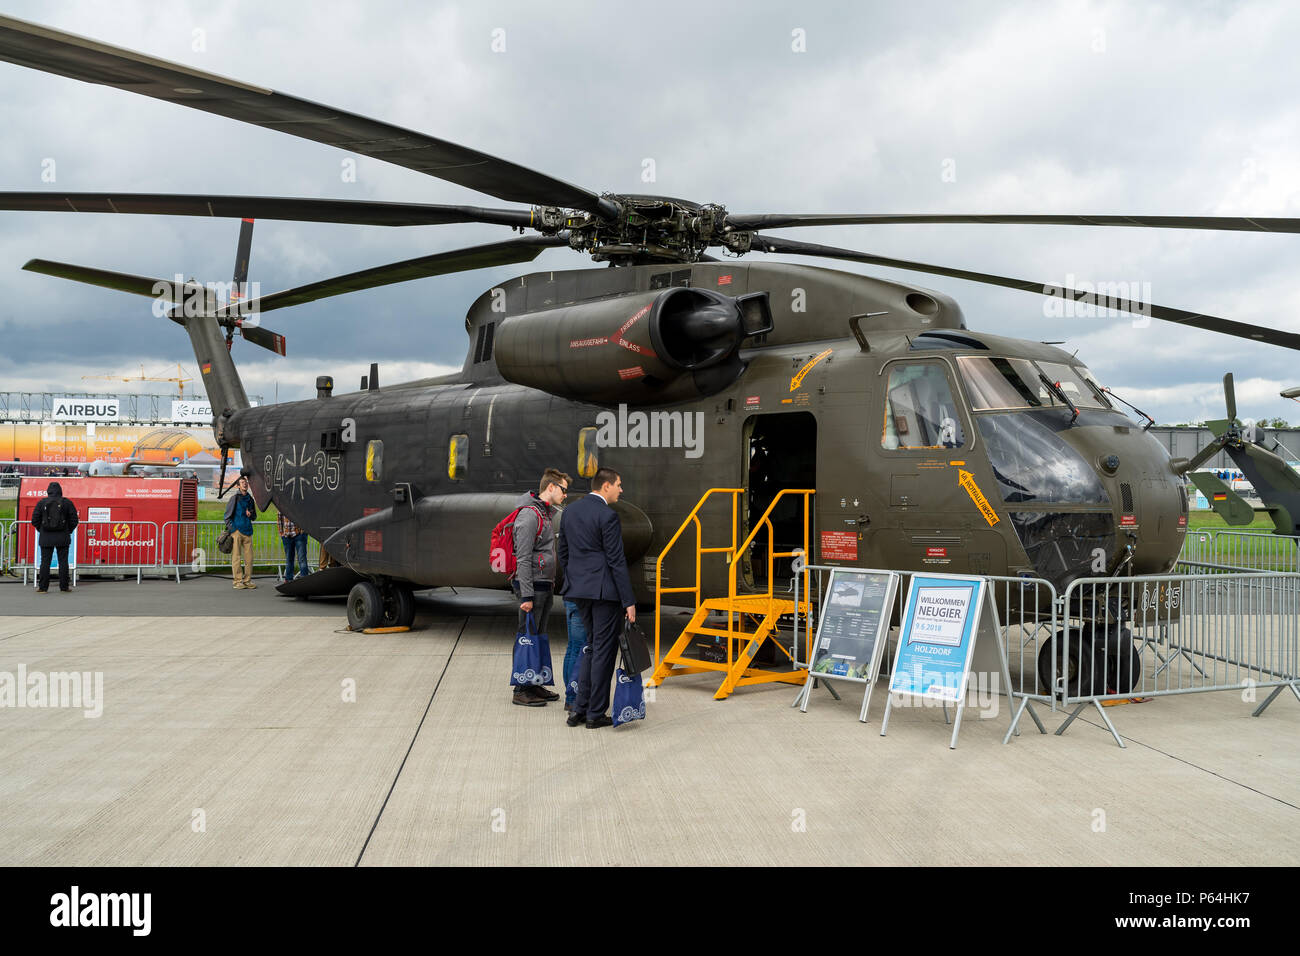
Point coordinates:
[(1149, 502)]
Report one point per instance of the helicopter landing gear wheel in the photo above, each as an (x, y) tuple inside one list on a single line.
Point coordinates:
[(399, 606), (1101, 659), (1115, 655), (1078, 664), (365, 606)]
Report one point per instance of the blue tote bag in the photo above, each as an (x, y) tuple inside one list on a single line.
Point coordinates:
[(532, 661), (629, 698)]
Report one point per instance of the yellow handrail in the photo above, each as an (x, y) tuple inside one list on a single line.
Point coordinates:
[(765, 520), (699, 550)]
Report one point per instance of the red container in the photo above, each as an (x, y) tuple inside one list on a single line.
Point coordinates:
[(121, 519)]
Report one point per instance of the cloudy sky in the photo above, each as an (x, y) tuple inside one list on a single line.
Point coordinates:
[(1074, 107)]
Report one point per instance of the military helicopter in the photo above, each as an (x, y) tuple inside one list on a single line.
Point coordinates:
[(929, 444), (1275, 481)]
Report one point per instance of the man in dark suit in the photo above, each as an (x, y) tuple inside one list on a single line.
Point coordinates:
[(596, 579)]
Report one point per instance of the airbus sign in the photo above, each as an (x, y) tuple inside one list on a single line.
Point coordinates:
[(87, 410)]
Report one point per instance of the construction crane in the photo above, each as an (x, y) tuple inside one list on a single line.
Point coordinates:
[(178, 379)]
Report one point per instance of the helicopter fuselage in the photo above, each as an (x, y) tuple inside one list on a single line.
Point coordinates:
[(930, 446)]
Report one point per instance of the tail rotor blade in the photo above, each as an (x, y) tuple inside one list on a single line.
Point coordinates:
[(1230, 397), (1201, 457), (273, 341)]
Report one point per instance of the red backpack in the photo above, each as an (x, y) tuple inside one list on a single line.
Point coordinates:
[(502, 555)]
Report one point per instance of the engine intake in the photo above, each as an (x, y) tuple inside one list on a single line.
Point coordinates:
[(649, 348)]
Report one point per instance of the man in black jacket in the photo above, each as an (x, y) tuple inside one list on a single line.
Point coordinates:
[(54, 518), (596, 579)]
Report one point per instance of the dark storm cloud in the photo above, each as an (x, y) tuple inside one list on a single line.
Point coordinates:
[(1077, 107)]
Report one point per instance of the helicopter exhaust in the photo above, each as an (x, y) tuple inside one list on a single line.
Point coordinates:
[(651, 348)]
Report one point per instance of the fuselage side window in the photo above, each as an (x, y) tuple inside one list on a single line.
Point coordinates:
[(457, 457), (374, 460), (919, 409)]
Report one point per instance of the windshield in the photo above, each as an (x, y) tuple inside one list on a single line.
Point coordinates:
[(1000, 383), (1032, 464), (1071, 381)]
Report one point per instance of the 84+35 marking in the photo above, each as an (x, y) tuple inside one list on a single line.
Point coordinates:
[(299, 471)]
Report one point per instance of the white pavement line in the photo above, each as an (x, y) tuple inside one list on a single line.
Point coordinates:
[(1194, 766), (393, 785), (52, 623)]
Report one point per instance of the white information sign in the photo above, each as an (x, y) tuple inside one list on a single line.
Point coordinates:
[(86, 410), (194, 411), (946, 615)]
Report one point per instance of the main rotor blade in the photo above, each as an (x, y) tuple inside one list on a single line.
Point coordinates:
[(349, 211), (53, 51), (1197, 320), (442, 263), (167, 290), (1227, 223)]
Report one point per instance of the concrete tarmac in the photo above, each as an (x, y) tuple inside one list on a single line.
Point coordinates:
[(246, 728)]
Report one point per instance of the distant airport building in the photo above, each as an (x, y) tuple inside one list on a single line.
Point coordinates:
[(1184, 441)]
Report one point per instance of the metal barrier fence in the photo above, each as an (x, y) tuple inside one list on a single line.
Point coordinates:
[(1220, 549), (1168, 634), (191, 546), (122, 547), (115, 547), (101, 547), (1028, 622)]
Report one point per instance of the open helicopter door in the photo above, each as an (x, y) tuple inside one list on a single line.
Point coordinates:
[(780, 452)]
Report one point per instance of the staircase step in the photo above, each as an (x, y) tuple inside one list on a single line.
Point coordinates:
[(722, 632)]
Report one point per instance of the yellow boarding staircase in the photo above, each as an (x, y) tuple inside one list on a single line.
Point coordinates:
[(751, 617)]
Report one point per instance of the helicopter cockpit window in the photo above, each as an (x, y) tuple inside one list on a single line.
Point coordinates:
[(1073, 385), (919, 409), (1032, 464), (1001, 383)]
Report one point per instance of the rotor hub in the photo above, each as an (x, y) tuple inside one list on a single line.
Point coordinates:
[(645, 229)]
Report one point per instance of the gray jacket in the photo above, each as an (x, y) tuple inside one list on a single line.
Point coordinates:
[(534, 545)]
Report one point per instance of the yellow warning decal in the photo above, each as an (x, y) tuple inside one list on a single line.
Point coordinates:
[(956, 464), (967, 481), (798, 378)]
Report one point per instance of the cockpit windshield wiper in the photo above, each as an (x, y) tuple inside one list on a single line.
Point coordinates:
[(1150, 421), (1059, 392)]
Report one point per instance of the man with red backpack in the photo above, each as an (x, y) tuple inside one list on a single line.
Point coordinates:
[(533, 581)]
